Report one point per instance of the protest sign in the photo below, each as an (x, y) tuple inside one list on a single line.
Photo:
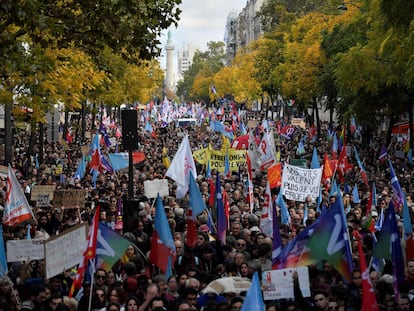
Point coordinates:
[(237, 158), (252, 124), (65, 250), (69, 198), (41, 191), (42, 200), (155, 186), (278, 284), (22, 250), (300, 183)]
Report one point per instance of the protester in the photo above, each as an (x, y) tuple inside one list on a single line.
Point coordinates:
[(249, 247)]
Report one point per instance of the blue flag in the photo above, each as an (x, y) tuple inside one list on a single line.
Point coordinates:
[(284, 213), (197, 204), (163, 253), (315, 159), (408, 228), (226, 164), (208, 169), (397, 193), (81, 170), (355, 194), (410, 156), (334, 189), (3, 260), (389, 245), (254, 299), (217, 126)]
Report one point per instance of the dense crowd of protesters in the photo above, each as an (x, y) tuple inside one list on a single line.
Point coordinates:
[(133, 284)]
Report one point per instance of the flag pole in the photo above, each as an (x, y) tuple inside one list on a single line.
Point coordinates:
[(92, 263), (211, 219)]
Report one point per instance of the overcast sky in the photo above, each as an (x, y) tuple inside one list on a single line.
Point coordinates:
[(201, 21)]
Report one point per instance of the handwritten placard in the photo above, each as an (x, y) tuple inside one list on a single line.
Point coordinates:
[(65, 251), (153, 187), (69, 198), (22, 250), (278, 284), (299, 183), (41, 190)]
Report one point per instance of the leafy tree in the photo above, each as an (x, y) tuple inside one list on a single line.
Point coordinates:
[(128, 28), (198, 79)]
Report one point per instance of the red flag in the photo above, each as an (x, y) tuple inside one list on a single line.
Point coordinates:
[(342, 166), (369, 301), (69, 138), (326, 172), (212, 191), (312, 132), (96, 161), (274, 175), (163, 252), (88, 254), (191, 230)]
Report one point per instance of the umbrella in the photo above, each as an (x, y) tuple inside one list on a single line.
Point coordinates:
[(231, 284)]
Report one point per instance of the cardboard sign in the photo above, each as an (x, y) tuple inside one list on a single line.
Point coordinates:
[(42, 200), (22, 250), (252, 124), (278, 284), (41, 191), (65, 250), (300, 183), (69, 198), (153, 187), (299, 123)]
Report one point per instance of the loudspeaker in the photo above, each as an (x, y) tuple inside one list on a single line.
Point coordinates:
[(129, 129)]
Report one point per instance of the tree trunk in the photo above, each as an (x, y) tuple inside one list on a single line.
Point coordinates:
[(30, 148), (393, 118), (41, 142), (410, 122), (318, 123), (83, 117), (93, 116), (8, 135)]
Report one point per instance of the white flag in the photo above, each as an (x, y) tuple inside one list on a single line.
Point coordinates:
[(253, 152), (180, 167), (266, 221), (17, 209), (267, 157)]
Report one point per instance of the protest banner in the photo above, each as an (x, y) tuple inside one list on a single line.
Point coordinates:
[(237, 158), (22, 250), (65, 250), (298, 162), (155, 186), (278, 284), (69, 198), (41, 191), (300, 183)]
